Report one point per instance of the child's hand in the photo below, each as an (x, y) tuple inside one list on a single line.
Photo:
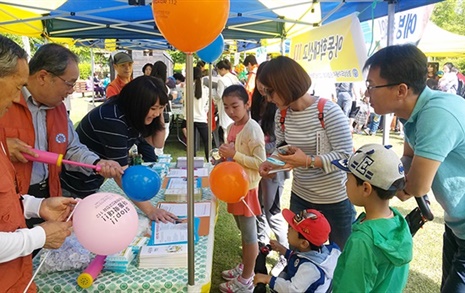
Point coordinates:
[(276, 246), (261, 278), (227, 150), (265, 168)]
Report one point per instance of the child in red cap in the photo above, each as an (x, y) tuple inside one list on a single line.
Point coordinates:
[(311, 264)]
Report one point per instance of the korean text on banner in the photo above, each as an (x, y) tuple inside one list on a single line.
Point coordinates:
[(334, 51)]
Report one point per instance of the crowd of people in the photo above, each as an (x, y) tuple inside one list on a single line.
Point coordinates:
[(270, 124)]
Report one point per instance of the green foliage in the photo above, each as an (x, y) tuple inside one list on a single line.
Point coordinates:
[(83, 53), (179, 58), (178, 68), (33, 42), (85, 70), (450, 15)]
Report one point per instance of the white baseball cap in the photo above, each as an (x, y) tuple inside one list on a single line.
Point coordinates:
[(377, 164)]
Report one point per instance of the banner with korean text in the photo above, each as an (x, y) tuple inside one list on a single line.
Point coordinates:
[(334, 51)]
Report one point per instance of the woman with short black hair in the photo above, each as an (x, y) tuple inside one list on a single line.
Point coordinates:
[(112, 128)]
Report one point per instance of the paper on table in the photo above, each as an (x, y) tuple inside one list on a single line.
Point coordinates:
[(201, 209), (172, 233), (200, 172)]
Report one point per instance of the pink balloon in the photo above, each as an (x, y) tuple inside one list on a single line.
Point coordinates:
[(105, 223)]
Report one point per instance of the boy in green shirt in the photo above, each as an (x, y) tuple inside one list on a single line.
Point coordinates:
[(377, 254)]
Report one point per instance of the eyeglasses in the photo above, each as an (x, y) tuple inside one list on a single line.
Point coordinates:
[(69, 84), (303, 215), (370, 87)]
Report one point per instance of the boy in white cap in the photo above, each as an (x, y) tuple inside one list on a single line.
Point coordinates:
[(377, 254), (311, 264)]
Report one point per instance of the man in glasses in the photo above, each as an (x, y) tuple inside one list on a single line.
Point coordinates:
[(311, 264), (434, 128), (377, 254), (39, 120), (16, 241)]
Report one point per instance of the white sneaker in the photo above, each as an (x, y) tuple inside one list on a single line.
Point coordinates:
[(235, 286), (233, 273), (279, 266)]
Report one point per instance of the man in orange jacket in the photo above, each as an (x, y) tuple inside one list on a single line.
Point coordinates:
[(122, 63), (38, 119), (17, 241)]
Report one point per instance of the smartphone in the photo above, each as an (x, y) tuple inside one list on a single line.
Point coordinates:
[(275, 161), (279, 170), (284, 150)]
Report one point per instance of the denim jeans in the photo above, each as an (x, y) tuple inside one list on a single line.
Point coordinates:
[(374, 122), (344, 100), (340, 216), (453, 263)]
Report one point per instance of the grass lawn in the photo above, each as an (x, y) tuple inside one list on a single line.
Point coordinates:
[(425, 268)]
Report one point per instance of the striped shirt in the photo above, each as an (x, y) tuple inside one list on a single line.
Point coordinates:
[(319, 185), (105, 132)]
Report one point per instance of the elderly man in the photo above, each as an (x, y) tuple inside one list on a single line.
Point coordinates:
[(17, 241), (122, 63), (39, 120), (434, 145)]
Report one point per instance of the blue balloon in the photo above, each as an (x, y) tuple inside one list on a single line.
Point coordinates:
[(213, 51), (140, 183)]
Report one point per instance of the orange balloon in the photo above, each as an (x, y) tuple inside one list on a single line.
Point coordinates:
[(190, 25), (229, 182)]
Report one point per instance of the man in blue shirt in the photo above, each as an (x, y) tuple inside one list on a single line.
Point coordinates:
[(434, 143)]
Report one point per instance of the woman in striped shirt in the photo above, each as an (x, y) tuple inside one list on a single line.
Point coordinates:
[(316, 184)]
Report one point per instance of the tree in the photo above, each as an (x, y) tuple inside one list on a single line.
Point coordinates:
[(35, 43), (450, 15), (179, 59)]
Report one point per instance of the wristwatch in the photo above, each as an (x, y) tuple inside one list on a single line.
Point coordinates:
[(312, 162)]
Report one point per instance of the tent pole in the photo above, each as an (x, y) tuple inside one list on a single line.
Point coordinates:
[(190, 167), (390, 41), (92, 64), (211, 112)]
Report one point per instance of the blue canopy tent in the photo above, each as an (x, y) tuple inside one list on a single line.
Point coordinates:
[(87, 20)]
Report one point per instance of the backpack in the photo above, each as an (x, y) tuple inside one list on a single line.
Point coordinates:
[(321, 106)]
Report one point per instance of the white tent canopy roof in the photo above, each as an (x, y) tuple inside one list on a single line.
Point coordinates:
[(438, 42)]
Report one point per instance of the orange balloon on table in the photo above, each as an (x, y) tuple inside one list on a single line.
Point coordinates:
[(190, 25), (229, 182)]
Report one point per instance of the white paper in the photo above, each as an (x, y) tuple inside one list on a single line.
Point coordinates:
[(201, 209), (199, 172), (170, 233), (323, 146)]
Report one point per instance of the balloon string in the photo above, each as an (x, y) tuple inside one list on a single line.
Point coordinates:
[(47, 254), (250, 211)]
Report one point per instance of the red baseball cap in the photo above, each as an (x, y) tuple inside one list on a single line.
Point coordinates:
[(310, 223)]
